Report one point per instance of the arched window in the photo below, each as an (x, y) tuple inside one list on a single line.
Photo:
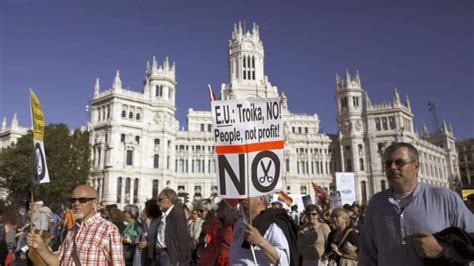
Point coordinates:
[(138, 116), (119, 190), (154, 190), (124, 114), (135, 191), (156, 161), (127, 190), (130, 115), (363, 188)]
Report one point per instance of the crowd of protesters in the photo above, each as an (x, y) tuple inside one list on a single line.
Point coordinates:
[(325, 235), (167, 232)]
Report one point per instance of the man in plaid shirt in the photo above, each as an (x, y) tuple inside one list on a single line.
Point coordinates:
[(92, 241)]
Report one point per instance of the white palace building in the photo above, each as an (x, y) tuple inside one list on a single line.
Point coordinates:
[(138, 147)]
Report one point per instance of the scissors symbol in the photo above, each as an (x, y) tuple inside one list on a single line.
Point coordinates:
[(265, 172)]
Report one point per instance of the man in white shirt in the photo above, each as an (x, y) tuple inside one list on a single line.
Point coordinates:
[(271, 234)]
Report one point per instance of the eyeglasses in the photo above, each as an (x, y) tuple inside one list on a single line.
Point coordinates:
[(398, 163), (312, 213), (81, 200)]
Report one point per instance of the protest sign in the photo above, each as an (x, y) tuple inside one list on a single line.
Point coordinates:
[(40, 168), (248, 135)]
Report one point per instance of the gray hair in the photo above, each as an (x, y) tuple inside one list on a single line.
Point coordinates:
[(133, 210), (169, 194)]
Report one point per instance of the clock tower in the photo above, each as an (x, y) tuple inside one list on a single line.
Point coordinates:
[(246, 73), (351, 126)]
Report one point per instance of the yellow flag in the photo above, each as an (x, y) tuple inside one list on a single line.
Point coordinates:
[(40, 168)]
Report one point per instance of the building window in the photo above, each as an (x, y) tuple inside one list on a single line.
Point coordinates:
[(384, 123), (137, 139), (156, 161), (377, 124), (361, 164), (135, 191), (168, 162), (202, 127), (391, 121), (159, 91), (130, 115), (122, 138), (119, 190), (157, 142), (355, 101), (363, 188), (154, 190), (124, 114), (197, 166), (138, 116), (181, 166), (349, 165), (303, 190), (129, 157), (127, 190)]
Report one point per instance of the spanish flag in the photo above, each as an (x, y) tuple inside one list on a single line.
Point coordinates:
[(283, 197)]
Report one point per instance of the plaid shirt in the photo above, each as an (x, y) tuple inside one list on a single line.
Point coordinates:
[(98, 242)]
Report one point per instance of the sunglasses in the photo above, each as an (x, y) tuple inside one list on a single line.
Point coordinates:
[(312, 213), (81, 200), (398, 163)]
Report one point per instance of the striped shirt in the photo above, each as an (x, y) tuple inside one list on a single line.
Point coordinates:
[(388, 223), (98, 242)]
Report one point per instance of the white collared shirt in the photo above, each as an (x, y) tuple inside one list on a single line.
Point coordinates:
[(160, 236)]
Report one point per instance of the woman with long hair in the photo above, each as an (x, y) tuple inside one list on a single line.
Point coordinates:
[(313, 236)]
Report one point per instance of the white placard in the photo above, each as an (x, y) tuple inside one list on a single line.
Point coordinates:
[(345, 184), (248, 136)]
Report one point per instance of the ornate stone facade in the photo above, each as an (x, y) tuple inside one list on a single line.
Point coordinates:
[(138, 148)]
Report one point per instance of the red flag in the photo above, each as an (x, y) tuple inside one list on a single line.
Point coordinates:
[(320, 193), (233, 202), (212, 96)]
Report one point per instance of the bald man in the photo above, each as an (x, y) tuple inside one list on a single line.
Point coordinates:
[(92, 241)]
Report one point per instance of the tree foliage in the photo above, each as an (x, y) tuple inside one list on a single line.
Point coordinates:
[(68, 161)]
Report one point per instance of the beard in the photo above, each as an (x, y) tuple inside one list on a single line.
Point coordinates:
[(78, 215)]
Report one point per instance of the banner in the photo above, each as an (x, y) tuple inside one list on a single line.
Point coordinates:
[(248, 136), (345, 184), (40, 168)]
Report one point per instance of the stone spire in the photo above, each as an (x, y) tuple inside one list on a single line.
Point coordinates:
[(368, 103), (396, 98), (14, 123), (338, 82), (96, 88), (4, 124), (425, 130), (348, 78), (407, 103), (117, 85), (357, 78)]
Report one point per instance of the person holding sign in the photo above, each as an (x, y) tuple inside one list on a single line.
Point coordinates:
[(92, 241), (271, 234)]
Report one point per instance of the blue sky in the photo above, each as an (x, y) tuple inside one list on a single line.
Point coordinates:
[(58, 48)]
